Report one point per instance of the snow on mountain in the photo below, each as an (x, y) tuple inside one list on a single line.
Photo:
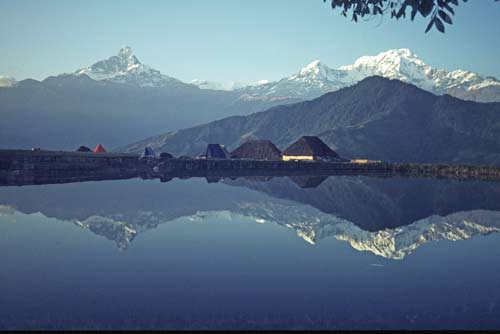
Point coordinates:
[(316, 78), (230, 85), (126, 68), (7, 81), (310, 82)]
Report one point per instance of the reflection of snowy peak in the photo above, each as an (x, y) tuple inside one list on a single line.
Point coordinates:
[(309, 223), (401, 241), (316, 78), (122, 228), (312, 225), (126, 68)]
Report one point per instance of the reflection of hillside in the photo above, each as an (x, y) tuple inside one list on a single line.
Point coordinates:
[(118, 210), (312, 226), (372, 214)]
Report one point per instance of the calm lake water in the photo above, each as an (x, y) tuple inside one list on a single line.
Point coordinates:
[(307, 253)]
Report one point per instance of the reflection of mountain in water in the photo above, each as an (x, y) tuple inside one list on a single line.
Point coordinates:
[(378, 203), (312, 226), (388, 217)]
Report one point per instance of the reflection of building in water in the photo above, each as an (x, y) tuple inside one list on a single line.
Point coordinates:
[(308, 181), (309, 148), (213, 179), (257, 178), (365, 161)]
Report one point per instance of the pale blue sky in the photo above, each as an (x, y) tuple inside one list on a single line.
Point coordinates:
[(230, 40)]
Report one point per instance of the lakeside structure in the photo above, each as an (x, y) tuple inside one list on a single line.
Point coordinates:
[(309, 148), (214, 151), (257, 150), (308, 156)]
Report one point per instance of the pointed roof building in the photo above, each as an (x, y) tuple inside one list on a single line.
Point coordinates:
[(309, 148), (99, 149), (214, 151), (258, 150), (148, 153)]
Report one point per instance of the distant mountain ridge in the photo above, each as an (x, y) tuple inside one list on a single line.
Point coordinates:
[(377, 118)]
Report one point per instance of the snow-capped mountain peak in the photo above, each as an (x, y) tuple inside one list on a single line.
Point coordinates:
[(314, 68), (125, 67)]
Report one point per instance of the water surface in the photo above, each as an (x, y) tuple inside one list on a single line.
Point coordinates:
[(338, 253)]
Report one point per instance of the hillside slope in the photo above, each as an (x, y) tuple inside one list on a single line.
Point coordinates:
[(377, 118)]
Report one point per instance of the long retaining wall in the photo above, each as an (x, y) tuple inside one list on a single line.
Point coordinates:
[(21, 167), (41, 167)]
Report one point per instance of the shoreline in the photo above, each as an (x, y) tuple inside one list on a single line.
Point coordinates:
[(24, 167)]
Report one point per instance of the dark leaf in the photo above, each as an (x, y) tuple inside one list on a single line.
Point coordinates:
[(445, 16), (425, 7), (439, 25), (413, 13), (429, 26), (448, 8)]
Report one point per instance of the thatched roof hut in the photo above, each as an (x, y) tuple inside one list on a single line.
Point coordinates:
[(258, 150), (309, 148)]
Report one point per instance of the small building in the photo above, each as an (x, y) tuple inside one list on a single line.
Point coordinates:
[(148, 153), (257, 150), (309, 148), (83, 149), (99, 149), (214, 151)]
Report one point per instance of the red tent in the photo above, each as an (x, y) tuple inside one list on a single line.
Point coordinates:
[(99, 149)]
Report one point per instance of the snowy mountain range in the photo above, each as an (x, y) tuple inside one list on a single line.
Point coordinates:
[(310, 82), (317, 78)]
